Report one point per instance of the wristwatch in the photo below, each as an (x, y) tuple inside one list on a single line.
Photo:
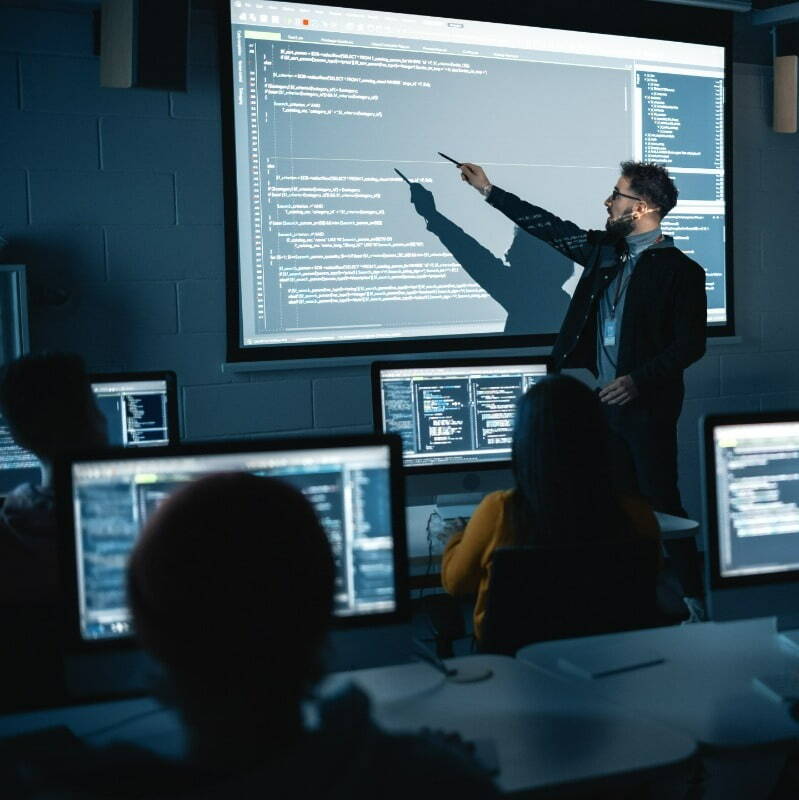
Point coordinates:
[(485, 190)]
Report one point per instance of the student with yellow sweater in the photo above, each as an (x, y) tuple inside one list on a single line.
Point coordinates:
[(563, 493)]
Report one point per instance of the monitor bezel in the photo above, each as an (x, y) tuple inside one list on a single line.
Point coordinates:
[(63, 485), (172, 412), (707, 26), (708, 424), (477, 361)]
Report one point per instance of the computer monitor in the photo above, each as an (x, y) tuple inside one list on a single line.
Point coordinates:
[(141, 408), (355, 484), (751, 471), (455, 413), (17, 465)]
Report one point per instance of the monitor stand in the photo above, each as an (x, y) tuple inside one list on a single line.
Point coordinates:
[(787, 626), (111, 672), (458, 506), (369, 647)]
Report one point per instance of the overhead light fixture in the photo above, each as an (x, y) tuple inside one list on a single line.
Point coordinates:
[(723, 5)]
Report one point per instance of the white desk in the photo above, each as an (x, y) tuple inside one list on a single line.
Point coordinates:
[(547, 732), (416, 518), (143, 721), (672, 527), (704, 686)]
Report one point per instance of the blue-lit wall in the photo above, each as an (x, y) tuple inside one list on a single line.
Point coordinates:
[(114, 197)]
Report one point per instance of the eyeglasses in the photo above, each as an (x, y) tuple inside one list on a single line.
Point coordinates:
[(615, 194)]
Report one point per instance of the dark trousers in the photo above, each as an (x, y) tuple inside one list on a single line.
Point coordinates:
[(643, 453)]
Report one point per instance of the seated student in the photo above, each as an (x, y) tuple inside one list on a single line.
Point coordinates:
[(231, 588), (563, 493), (48, 404)]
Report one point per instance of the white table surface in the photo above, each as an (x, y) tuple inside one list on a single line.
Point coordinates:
[(142, 720), (672, 527), (416, 518), (546, 731), (703, 687)]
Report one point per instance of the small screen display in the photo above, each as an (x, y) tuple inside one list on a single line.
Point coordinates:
[(17, 465), (757, 490), (349, 487), (458, 414), (135, 412)]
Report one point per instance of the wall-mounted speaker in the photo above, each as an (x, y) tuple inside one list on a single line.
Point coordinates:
[(144, 43), (786, 93)]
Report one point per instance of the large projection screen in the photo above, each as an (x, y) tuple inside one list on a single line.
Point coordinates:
[(327, 256)]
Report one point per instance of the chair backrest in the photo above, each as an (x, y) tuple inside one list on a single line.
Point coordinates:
[(536, 593)]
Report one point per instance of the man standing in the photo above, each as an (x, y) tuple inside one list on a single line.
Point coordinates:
[(636, 320)]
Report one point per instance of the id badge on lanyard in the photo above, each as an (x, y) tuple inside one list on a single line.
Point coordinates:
[(609, 332)]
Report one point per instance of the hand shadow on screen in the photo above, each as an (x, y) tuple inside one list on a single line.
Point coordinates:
[(528, 284)]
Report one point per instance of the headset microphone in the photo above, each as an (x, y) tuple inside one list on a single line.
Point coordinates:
[(632, 215)]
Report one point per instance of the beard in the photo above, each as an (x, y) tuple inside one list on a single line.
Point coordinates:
[(619, 227)]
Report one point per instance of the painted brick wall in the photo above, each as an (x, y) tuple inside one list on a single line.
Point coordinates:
[(762, 371), (114, 197)]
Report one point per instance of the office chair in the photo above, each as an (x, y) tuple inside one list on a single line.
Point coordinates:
[(541, 593)]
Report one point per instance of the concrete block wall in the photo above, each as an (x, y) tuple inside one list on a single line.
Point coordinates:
[(761, 371), (114, 197)]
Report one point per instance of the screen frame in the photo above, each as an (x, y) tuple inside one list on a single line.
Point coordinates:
[(67, 550), (707, 425), (172, 412), (707, 26), (466, 362)]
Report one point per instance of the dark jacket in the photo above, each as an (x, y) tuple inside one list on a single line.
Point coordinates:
[(28, 547), (665, 311), (30, 616)]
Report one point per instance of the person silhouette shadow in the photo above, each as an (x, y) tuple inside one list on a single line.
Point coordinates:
[(528, 284)]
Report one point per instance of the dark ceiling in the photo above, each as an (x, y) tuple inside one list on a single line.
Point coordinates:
[(751, 44)]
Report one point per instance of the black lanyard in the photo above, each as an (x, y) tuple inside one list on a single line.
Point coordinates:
[(621, 288)]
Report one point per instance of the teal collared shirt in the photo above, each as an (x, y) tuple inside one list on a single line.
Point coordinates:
[(611, 302)]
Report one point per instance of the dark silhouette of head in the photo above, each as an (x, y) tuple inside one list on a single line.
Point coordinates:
[(231, 589), (518, 252), (531, 287), (563, 491), (49, 406)]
